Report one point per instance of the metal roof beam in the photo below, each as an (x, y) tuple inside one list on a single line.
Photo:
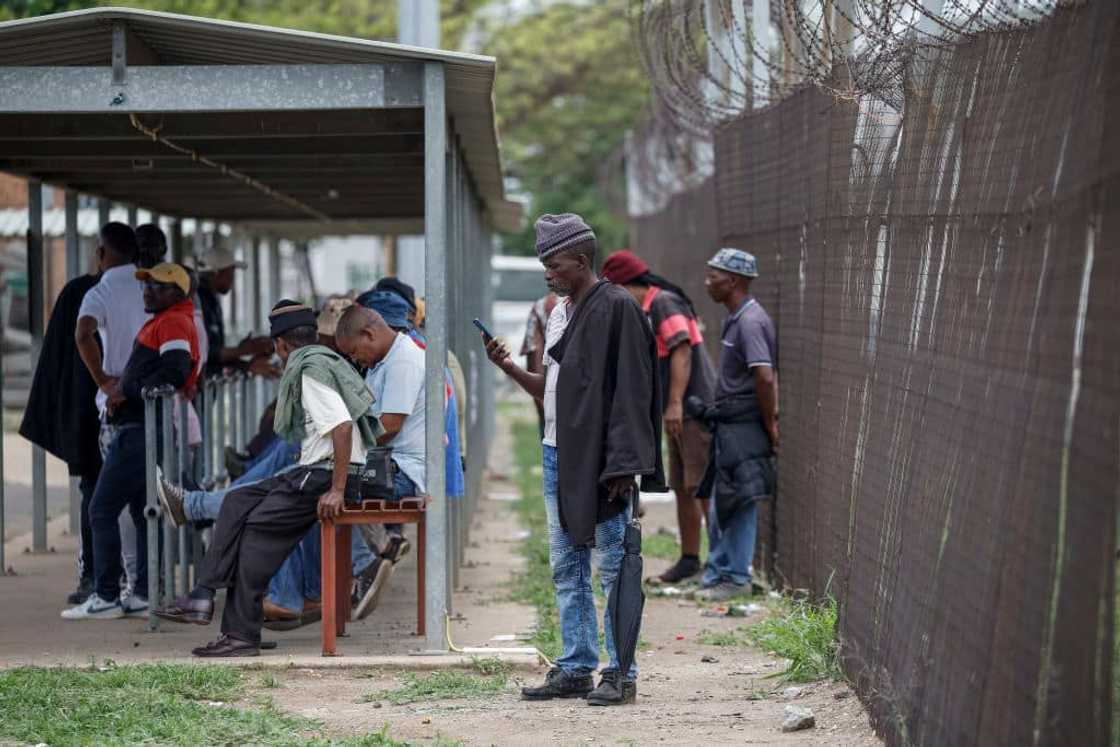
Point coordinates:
[(232, 125), (144, 149), (210, 88)]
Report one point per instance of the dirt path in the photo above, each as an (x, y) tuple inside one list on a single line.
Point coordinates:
[(682, 699)]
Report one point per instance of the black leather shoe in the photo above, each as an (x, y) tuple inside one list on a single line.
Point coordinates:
[(559, 684), (613, 689), (227, 646), (187, 610), (235, 462)]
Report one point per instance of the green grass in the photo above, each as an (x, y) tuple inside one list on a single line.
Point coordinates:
[(804, 633), (154, 704), (534, 585), (666, 547), (442, 685)]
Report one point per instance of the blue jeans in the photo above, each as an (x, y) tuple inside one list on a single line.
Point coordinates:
[(730, 548), (571, 574), (121, 484), (300, 577), (202, 505)]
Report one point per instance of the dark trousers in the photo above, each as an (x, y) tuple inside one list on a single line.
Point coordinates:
[(86, 485), (120, 484), (257, 527)]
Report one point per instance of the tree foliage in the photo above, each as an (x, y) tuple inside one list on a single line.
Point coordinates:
[(569, 87)]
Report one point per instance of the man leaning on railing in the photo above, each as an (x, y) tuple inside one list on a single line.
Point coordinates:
[(165, 353)]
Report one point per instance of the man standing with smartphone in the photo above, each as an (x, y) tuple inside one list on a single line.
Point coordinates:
[(602, 429)]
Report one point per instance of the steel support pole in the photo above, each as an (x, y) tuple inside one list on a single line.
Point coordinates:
[(176, 240), (151, 508), (181, 439), (133, 216), (256, 318), (36, 301), (435, 281), (73, 269), (103, 206), (170, 469)]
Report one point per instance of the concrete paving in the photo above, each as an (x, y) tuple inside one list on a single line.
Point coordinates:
[(31, 631)]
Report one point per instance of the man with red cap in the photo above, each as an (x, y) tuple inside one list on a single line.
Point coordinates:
[(686, 370)]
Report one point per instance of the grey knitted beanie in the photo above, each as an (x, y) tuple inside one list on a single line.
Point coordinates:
[(558, 232)]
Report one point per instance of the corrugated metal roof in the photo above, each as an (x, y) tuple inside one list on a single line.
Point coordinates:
[(83, 37)]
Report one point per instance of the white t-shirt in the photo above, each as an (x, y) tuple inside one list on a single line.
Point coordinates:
[(323, 411), (557, 323), (116, 303), (397, 383)]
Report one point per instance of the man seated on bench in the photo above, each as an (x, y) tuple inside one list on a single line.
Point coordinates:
[(395, 376), (325, 404)]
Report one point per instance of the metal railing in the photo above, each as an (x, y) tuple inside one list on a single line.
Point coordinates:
[(229, 408)]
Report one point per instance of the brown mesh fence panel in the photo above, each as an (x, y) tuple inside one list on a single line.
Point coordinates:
[(946, 285)]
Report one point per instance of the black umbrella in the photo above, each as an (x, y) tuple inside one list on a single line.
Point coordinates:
[(627, 597)]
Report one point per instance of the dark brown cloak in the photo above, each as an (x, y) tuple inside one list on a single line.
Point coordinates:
[(608, 408)]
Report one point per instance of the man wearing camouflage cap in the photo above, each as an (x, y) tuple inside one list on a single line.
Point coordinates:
[(744, 420)]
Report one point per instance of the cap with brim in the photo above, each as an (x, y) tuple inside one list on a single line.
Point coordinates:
[(735, 261), (287, 315), (167, 272), (218, 259), (392, 308), (401, 288)]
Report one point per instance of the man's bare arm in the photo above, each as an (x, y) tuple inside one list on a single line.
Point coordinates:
[(766, 385), (85, 337), (499, 355)]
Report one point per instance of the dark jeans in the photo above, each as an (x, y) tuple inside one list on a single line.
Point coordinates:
[(258, 526), (120, 484), (86, 485)]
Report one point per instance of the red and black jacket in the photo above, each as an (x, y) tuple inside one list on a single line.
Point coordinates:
[(165, 352)]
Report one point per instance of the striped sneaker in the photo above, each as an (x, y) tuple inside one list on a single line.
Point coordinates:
[(95, 608)]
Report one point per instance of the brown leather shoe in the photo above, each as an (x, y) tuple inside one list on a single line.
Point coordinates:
[(276, 612), (187, 610), (227, 646)]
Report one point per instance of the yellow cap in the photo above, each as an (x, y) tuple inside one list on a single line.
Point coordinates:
[(168, 272)]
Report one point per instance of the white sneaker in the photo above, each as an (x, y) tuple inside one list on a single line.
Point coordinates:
[(134, 606), (95, 608)]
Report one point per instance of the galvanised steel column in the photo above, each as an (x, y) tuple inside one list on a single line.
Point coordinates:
[(435, 281), (176, 240), (184, 567), (151, 508), (73, 269), (133, 216), (103, 206), (36, 302), (170, 469), (255, 317)]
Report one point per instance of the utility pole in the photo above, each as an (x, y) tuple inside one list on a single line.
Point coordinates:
[(418, 26)]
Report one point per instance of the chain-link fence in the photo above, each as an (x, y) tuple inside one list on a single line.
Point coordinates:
[(946, 283)]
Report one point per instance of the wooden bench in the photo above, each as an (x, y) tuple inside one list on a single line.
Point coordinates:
[(336, 562)]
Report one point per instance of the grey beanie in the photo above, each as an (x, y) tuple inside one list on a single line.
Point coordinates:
[(558, 232)]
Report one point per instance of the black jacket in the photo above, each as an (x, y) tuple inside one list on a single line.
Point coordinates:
[(608, 408), (61, 414), (740, 462)]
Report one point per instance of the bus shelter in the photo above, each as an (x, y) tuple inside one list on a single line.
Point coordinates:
[(281, 134)]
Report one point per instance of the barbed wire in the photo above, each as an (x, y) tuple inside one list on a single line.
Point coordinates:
[(707, 62)]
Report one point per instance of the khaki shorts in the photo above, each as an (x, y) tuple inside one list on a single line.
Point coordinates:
[(688, 458)]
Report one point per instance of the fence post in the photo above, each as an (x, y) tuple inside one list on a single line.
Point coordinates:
[(183, 435), (36, 303), (152, 508), (169, 469)]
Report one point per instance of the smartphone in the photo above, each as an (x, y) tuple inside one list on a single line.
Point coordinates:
[(486, 334)]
